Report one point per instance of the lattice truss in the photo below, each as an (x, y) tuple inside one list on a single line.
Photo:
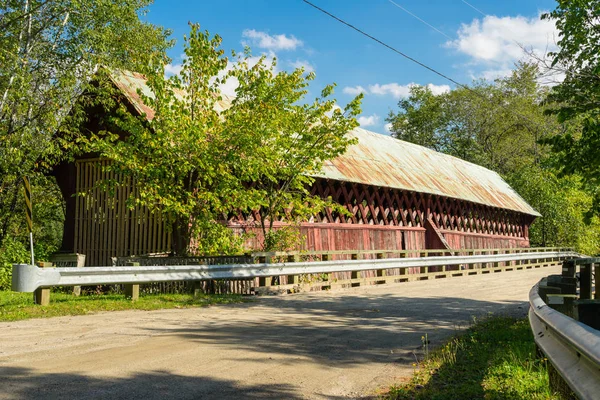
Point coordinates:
[(372, 205)]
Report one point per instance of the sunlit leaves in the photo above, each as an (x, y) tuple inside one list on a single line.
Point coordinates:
[(198, 160)]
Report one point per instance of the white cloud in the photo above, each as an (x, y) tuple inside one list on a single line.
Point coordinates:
[(397, 91), (496, 43), (438, 89), (388, 128), (368, 120), (271, 42), (308, 67), (173, 69), (356, 90), (393, 89)]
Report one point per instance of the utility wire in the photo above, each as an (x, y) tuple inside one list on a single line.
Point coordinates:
[(417, 17), (387, 45), (474, 8), (420, 63)]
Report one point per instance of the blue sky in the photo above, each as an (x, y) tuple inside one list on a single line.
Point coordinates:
[(466, 40)]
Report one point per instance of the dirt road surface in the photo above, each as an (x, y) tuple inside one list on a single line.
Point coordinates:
[(328, 345)]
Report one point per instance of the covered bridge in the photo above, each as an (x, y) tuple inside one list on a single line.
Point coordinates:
[(400, 196)]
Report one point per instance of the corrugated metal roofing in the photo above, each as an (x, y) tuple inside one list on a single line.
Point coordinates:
[(381, 160), (129, 83)]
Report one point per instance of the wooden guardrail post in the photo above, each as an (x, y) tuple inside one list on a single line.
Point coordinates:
[(132, 291), (41, 296), (327, 257), (585, 281), (379, 256), (597, 281), (563, 303), (355, 274), (265, 280), (423, 270), (293, 279)]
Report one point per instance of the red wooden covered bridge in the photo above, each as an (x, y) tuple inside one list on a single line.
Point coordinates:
[(400, 196)]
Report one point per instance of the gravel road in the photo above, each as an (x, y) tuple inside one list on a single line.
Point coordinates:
[(327, 345)]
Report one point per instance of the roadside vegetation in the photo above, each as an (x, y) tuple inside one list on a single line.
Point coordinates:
[(494, 359), (18, 306)]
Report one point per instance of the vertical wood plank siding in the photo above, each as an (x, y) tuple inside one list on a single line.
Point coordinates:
[(378, 219), (104, 226)]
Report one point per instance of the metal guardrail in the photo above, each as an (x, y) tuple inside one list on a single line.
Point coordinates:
[(28, 278), (406, 253), (573, 348)]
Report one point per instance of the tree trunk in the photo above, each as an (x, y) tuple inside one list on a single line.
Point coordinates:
[(180, 241)]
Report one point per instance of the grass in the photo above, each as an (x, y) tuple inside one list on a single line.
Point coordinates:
[(18, 306), (494, 359)]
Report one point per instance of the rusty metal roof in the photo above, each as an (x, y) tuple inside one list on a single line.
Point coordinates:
[(129, 83), (381, 160)]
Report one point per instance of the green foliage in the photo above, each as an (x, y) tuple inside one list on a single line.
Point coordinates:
[(563, 205), (213, 238), (495, 359), (496, 125), (48, 217), (49, 51), (576, 100), (287, 238), (578, 57), (197, 163), (12, 252), (500, 125)]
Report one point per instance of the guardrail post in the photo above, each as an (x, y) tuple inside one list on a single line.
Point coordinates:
[(355, 274), (585, 281), (596, 281), (41, 296), (563, 303), (265, 280), (132, 291), (588, 312), (379, 256), (568, 269), (423, 270), (327, 257), (293, 279)]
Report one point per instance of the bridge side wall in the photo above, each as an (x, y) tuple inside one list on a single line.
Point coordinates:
[(101, 226)]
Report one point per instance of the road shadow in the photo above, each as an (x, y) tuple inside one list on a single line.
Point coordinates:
[(22, 383), (345, 329), (330, 331)]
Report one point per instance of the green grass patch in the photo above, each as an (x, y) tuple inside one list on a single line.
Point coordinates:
[(494, 359), (17, 306)]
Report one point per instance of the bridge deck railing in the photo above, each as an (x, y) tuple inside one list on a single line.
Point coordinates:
[(291, 275), (565, 324)]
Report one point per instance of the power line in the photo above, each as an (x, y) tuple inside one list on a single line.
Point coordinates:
[(417, 17), (419, 63), (386, 45), (474, 8)]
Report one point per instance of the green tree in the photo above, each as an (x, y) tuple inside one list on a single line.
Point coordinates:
[(199, 160), (578, 57), (576, 100), (563, 203), (494, 124), (49, 50), (500, 125)]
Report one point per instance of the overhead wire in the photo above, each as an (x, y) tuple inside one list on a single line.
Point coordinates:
[(475, 8), (420, 19), (418, 62)]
